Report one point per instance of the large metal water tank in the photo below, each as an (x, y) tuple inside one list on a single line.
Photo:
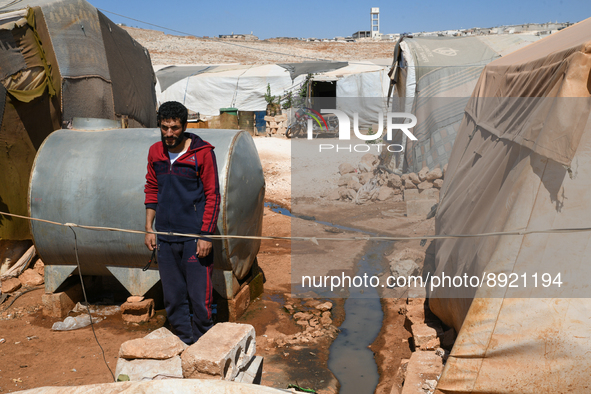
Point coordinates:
[(97, 177)]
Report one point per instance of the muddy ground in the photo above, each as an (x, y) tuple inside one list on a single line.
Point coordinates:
[(32, 355)]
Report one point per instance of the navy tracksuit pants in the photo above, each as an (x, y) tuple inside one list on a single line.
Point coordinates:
[(187, 287)]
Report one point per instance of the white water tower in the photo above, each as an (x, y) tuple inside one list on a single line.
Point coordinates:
[(375, 22)]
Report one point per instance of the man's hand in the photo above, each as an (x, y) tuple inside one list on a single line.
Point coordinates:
[(150, 241), (203, 248)]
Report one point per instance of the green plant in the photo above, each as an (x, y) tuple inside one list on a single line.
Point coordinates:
[(371, 132), (269, 98), (288, 101)]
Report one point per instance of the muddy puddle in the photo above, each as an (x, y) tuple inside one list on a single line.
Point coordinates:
[(350, 359)]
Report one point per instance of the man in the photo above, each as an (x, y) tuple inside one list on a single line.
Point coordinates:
[(182, 194)]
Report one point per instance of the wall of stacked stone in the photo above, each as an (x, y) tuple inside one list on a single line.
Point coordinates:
[(378, 185), (276, 125)]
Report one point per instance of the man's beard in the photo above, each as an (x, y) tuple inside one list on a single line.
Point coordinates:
[(177, 141)]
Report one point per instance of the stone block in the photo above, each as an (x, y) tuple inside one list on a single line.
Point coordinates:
[(11, 285), (422, 366), (408, 184), (411, 194), (137, 312), (138, 370), (156, 349), (425, 336), (59, 304), (424, 185), (281, 118), (434, 174), (419, 208), (423, 174), (429, 194), (31, 278), (221, 352)]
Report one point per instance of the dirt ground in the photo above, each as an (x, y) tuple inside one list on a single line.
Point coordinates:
[(32, 355)]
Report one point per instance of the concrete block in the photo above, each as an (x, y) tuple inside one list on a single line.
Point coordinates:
[(225, 283), (252, 372), (411, 194), (137, 312), (222, 352), (429, 194), (59, 304), (422, 366), (419, 208), (138, 370)]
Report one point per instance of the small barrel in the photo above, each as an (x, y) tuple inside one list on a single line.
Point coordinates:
[(246, 121), (97, 178)]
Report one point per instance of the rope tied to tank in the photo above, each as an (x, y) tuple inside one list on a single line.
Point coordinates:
[(315, 240)]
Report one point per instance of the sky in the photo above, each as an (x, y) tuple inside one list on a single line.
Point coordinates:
[(328, 19)]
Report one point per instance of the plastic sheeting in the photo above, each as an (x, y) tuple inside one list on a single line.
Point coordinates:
[(445, 71), (76, 64), (505, 174)]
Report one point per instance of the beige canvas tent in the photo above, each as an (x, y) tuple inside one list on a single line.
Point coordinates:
[(61, 59), (521, 162)]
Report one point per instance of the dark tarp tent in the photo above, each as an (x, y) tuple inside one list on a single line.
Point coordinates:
[(61, 59)]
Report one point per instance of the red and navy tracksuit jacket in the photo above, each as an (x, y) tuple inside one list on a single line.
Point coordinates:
[(186, 195)]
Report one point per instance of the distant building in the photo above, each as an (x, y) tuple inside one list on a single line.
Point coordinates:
[(245, 37), (375, 22), (362, 34)]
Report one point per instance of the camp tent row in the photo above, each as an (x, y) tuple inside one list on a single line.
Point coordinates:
[(207, 88), (521, 162), (61, 59), (432, 78)]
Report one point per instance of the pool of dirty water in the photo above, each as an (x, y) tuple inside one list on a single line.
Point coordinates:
[(351, 360)]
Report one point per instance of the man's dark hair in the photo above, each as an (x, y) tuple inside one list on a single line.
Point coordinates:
[(173, 110)]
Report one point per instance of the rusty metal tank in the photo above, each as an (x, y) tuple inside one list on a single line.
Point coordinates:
[(96, 177)]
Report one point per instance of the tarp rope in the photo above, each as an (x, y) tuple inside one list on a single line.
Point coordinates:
[(315, 239)]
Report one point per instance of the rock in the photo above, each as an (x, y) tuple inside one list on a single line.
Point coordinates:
[(354, 185), (423, 174), (370, 159), (334, 195), (325, 320), (426, 337), (146, 369), (404, 268), (346, 168), (163, 333), (303, 316), (11, 285), (397, 198), (31, 278), (425, 185), (312, 303), (344, 192), (288, 307), (137, 312), (444, 170), (155, 349), (404, 177), (394, 181), (365, 177), (221, 352), (313, 322), (385, 193), (397, 191), (326, 313), (135, 299), (434, 174), (327, 306), (414, 178), (344, 179), (351, 194), (438, 183), (408, 184), (39, 267), (364, 167), (409, 254)]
